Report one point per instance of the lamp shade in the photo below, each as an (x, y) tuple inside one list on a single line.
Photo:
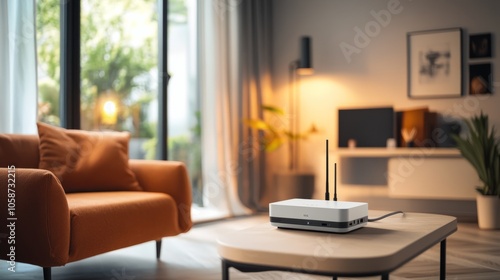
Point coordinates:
[(305, 61)]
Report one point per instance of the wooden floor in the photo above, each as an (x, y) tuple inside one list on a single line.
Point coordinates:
[(472, 254)]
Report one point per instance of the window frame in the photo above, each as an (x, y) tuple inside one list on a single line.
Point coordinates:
[(70, 88)]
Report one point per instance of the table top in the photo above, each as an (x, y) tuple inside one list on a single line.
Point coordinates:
[(379, 247)]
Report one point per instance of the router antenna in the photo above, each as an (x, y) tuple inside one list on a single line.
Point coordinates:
[(327, 194), (335, 184)]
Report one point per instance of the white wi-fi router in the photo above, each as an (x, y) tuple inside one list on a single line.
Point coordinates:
[(319, 215)]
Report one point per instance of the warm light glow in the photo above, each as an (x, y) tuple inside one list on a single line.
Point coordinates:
[(109, 113), (305, 71)]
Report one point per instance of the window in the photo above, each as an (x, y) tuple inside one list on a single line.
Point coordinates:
[(119, 75), (119, 57), (48, 52), (184, 127)]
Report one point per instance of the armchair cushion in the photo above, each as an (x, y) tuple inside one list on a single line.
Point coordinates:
[(104, 221), (87, 161)]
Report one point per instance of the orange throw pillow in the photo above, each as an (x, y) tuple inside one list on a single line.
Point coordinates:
[(86, 161)]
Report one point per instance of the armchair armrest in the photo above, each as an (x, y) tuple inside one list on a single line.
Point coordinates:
[(168, 177), (35, 220)]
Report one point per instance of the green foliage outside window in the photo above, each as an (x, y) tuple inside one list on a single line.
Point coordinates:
[(119, 57)]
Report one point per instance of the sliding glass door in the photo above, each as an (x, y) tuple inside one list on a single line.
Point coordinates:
[(48, 41), (119, 74), (184, 127), (120, 77), (119, 55)]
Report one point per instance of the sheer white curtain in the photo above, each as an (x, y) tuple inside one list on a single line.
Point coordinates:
[(18, 80), (234, 73), (218, 61)]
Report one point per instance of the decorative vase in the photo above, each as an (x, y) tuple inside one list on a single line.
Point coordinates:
[(293, 184), (488, 211)]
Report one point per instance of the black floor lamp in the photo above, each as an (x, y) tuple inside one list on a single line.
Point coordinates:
[(302, 66)]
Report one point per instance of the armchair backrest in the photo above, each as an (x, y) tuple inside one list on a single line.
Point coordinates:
[(19, 150)]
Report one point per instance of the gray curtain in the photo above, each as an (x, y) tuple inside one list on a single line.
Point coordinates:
[(234, 59), (255, 52)]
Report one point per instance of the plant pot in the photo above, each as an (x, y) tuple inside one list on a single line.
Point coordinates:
[(293, 184), (488, 211)]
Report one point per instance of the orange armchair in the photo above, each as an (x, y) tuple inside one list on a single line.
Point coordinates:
[(51, 227)]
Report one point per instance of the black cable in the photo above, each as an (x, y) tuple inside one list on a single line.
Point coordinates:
[(385, 216)]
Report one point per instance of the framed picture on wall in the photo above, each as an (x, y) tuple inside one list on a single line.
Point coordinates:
[(480, 79), (480, 46), (435, 63)]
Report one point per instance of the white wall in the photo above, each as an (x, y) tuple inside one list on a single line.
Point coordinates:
[(377, 75)]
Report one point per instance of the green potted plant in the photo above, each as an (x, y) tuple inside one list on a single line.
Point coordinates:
[(481, 149), (290, 183)]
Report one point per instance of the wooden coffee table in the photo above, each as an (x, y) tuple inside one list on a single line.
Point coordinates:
[(377, 249)]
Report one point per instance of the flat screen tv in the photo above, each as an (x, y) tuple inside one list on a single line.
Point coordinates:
[(369, 127)]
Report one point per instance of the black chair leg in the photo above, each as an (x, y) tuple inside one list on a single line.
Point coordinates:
[(47, 273), (158, 248)]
